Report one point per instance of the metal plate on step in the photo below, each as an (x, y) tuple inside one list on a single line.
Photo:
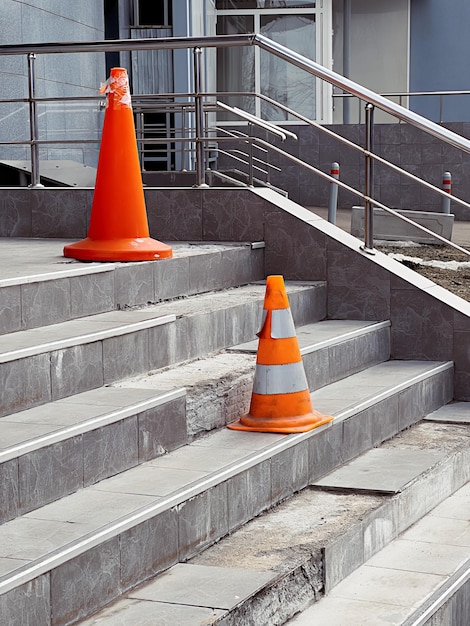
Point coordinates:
[(385, 470)]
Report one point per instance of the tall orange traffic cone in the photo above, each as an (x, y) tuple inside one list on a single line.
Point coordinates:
[(118, 225), (280, 402)]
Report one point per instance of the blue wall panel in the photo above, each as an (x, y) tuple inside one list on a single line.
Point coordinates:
[(439, 57)]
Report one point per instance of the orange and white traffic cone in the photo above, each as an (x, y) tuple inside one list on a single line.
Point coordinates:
[(118, 228), (280, 402)]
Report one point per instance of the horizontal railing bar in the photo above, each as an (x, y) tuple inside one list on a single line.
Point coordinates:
[(116, 45), (363, 93), (375, 203)]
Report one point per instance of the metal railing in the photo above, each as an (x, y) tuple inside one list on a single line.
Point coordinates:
[(405, 95), (199, 138)]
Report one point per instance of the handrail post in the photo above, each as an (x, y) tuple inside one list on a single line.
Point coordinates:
[(33, 121), (199, 115), (369, 182), (250, 155)]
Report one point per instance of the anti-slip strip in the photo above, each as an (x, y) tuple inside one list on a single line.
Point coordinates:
[(61, 434), (91, 337), (162, 503), (78, 270)]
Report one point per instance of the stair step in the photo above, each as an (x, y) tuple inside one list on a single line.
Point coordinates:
[(41, 287), (94, 435), (110, 429), (219, 386), (279, 563), (150, 517), (49, 363)]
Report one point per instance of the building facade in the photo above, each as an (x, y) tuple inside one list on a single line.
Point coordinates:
[(388, 46)]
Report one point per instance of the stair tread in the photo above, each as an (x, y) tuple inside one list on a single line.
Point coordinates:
[(33, 428), (319, 335), (102, 325), (42, 259), (254, 558), (51, 533)]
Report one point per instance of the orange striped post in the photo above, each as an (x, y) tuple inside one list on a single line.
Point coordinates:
[(280, 402)]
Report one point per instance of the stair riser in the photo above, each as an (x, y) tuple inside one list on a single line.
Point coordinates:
[(346, 439), (183, 530), (49, 376), (38, 478), (45, 302), (336, 362)]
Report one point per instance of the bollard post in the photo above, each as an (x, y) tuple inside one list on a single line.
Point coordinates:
[(333, 199), (447, 187)]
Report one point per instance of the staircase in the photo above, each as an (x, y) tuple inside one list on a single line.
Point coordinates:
[(124, 497)]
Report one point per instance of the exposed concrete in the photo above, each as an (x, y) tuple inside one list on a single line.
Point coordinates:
[(334, 533)]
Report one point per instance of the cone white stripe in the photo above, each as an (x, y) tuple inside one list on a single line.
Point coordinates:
[(282, 326), (272, 379)]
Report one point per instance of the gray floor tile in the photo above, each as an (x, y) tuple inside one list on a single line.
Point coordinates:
[(381, 470), (454, 413), (317, 335), (387, 586), (94, 508), (31, 538), (143, 613), (346, 612), (440, 530), (149, 480), (204, 586), (420, 556), (241, 440), (196, 458), (8, 565), (13, 434)]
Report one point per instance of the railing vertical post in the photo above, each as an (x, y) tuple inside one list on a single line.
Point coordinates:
[(447, 187), (369, 182), (199, 114), (333, 199), (33, 121), (250, 155)]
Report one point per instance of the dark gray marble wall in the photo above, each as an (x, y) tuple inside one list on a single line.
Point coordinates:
[(403, 145)]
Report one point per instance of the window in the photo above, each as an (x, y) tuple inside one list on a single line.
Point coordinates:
[(302, 26), (152, 13)]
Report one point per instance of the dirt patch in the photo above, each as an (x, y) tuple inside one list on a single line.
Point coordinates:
[(453, 277)]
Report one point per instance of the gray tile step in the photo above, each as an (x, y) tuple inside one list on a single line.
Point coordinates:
[(108, 430), (39, 287), (288, 558), (148, 518), (45, 364), (56, 449), (219, 387)]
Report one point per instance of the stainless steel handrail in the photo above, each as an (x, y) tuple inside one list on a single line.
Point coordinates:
[(196, 43)]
